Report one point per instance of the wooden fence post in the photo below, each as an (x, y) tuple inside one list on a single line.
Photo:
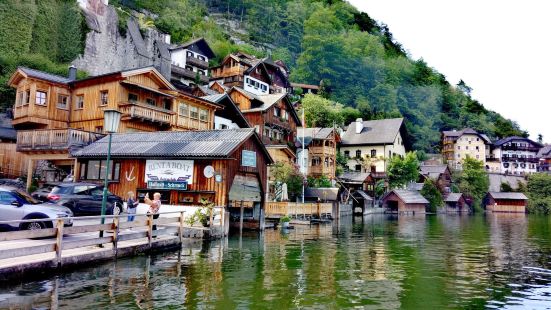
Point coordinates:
[(115, 228), (181, 228), (59, 241), (149, 228)]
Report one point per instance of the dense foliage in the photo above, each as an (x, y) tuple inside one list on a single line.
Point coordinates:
[(473, 181), (282, 173), (539, 193), (402, 171), (431, 192), (363, 70)]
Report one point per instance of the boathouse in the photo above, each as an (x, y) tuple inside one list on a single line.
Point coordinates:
[(403, 201), (226, 167), (506, 202), (455, 202)]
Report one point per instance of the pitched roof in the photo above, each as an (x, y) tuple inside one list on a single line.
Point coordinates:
[(230, 111), (312, 134), (453, 197), (326, 193), (382, 131), (353, 177), (433, 169), (267, 101), (515, 138), (44, 75), (456, 134), (189, 144), (205, 89), (362, 195), (214, 98), (508, 195), (545, 152), (204, 46), (408, 196), (413, 186)]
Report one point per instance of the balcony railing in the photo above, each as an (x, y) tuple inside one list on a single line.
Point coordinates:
[(192, 61), (519, 148), (54, 139), (191, 123), (146, 112), (321, 150), (519, 159), (186, 73)]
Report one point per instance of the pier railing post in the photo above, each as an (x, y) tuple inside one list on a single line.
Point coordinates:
[(149, 228), (115, 228), (181, 227), (59, 241)]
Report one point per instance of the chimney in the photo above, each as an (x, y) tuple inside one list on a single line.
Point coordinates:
[(72, 73), (359, 125), (167, 39)]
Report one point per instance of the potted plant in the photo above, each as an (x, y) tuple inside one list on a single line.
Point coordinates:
[(285, 221), (203, 213)]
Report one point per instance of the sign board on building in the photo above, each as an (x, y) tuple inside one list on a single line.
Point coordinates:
[(167, 185), (248, 158), (169, 170)]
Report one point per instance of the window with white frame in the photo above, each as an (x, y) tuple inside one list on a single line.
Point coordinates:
[(41, 97), (63, 101), (79, 102)]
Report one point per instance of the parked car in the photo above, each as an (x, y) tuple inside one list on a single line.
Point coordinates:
[(16, 204), (85, 198), (42, 193)]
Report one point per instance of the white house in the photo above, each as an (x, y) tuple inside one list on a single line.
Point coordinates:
[(229, 116), (516, 155), (369, 144), (190, 61)]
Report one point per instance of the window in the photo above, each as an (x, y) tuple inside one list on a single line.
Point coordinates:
[(389, 154), (248, 81), (459, 147), (63, 101), (80, 102), (458, 155), (276, 111), (264, 87), (347, 154), (27, 96), (194, 112), (467, 148), (373, 153), (95, 170), (150, 101), (201, 72), (358, 168), (167, 104), (478, 148), (358, 153), (103, 97), (203, 115), (132, 98), (40, 97), (201, 58), (183, 109), (20, 98), (223, 126), (189, 54)]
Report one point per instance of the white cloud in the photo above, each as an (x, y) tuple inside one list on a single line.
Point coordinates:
[(502, 49)]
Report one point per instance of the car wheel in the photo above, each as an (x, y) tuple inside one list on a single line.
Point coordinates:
[(117, 208), (34, 226)]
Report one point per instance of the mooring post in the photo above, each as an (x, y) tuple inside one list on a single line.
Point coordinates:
[(181, 228), (59, 241), (115, 228), (149, 229)]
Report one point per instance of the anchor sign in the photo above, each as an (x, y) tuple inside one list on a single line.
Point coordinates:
[(129, 176)]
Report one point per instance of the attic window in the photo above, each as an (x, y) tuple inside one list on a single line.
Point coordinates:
[(41, 98)]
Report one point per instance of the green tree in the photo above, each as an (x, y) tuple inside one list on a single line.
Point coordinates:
[(539, 193), (473, 181), (402, 171), (432, 194), (505, 187), (285, 173), (321, 112)]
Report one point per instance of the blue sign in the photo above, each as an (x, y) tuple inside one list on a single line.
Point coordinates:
[(167, 185), (248, 158)]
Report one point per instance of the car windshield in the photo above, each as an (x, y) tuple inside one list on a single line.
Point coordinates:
[(25, 197), (61, 190)]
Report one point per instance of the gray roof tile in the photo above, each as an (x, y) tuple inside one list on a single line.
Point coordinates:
[(374, 132), (453, 197), (45, 76), (430, 169), (409, 196), (508, 195)]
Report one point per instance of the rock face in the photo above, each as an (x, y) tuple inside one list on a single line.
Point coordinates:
[(106, 50)]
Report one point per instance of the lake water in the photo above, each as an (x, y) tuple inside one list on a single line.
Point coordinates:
[(378, 262)]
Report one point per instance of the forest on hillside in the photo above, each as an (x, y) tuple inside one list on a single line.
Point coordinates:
[(363, 70)]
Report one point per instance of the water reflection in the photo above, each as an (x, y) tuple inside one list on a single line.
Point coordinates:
[(374, 262)]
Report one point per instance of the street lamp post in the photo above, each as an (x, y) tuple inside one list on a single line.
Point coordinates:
[(111, 123)]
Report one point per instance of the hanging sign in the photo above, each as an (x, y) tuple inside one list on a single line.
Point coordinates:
[(169, 170), (248, 158)]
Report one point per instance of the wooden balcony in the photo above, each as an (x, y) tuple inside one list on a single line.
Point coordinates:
[(192, 124), (196, 62), (520, 148), (520, 159), (54, 139), (322, 169), (188, 74), (324, 151), (148, 113)]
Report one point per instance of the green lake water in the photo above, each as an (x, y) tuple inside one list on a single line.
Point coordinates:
[(377, 262)]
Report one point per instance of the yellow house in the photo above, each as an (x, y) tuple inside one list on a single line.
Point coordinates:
[(369, 144), (457, 145)]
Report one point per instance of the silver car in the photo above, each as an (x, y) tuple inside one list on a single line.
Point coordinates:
[(16, 204)]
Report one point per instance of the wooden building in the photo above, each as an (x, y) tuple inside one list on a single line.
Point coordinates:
[(273, 117), (54, 115), (227, 167), (320, 157), (404, 202), (506, 202), (456, 203), (439, 174)]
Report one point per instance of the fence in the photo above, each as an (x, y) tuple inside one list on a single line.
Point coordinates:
[(75, 237), (298, 210)]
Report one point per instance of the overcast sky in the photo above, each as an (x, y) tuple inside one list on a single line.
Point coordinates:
[(500, 48)]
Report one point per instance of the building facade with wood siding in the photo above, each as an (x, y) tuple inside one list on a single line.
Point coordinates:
[(321, 151), (54, 114), (510, 202), (404, 202), (226, 167)]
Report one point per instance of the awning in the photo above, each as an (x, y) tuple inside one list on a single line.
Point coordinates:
[(245, 188), (147, 88)]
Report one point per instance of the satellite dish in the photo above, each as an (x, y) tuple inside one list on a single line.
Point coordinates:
[(208, 172)]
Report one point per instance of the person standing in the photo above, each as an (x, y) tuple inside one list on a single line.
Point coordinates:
[(131, 206), (154, 206)]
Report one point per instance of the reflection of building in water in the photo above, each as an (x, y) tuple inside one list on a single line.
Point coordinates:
[(508, 239)]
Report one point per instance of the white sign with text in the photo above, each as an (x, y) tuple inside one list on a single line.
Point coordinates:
[(169, 170)]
